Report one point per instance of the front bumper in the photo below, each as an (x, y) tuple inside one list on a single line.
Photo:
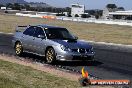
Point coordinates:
[(71, 56)]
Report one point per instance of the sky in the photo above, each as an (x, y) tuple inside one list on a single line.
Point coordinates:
[(89, 4)]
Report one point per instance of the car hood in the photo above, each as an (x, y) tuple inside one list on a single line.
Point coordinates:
[(74, 44)]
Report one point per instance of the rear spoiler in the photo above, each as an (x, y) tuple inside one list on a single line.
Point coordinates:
[(21, 28)]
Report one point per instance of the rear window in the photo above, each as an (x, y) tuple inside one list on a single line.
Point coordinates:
[(29, 31)]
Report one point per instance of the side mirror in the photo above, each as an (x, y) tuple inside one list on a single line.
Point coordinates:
[(76, 37), (41, 36)]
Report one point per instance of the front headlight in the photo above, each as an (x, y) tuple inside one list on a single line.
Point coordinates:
[(65, 48)]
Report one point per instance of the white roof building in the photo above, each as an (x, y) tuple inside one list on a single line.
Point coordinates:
[(77, 9), (3, 8), (129, 12), (124, 15)]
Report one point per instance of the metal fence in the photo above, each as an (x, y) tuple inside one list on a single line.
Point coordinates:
[(90, 20)]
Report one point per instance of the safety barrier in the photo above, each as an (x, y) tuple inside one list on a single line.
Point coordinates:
[(78, 19)]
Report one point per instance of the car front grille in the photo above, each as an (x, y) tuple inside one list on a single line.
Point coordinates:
[(81, 50), (88, 50), (74, 50)]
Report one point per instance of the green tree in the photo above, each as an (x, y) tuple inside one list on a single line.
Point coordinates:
[(85, 16), (27, 7), (76, 15), (68, 9), (69, 15), (16, 6), (9, 5), (1, 5), (112, 6)]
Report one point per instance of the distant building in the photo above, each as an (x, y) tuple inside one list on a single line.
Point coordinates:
[(113, 12), (3, 8), (77, 9)]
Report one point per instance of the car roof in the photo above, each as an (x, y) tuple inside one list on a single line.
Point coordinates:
[(48, 26)]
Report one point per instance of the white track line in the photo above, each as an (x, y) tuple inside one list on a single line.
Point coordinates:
[(109, 44), (6, 33)]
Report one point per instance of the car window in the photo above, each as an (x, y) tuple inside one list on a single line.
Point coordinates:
[(58, 33), (29, 31), (39, 31)]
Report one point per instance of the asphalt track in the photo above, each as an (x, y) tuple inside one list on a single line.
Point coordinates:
[(110, 63)]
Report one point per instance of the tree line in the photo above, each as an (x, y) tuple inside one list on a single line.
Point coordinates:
[(60, 11), (17, 6)]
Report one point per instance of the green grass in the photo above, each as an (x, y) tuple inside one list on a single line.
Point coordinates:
[(88, 31), (18, 76)]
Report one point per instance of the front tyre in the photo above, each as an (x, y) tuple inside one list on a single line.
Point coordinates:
[(18, 49), (50, 55)]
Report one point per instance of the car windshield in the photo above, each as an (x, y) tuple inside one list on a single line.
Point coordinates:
[(59, 33)]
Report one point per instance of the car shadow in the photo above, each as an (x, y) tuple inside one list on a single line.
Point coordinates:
[(79, 63), (62, 63), (33, 57)]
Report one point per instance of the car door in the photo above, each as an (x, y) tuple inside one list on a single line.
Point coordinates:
[(27, 39), (39, 41)]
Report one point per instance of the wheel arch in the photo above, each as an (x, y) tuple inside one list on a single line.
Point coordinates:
[(48, 48), (54, 59), (17, 42)]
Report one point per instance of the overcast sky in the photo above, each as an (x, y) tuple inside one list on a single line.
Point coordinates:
[(89, 4)]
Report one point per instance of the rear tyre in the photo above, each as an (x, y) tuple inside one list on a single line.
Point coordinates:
[(50, 56), (18, 49)]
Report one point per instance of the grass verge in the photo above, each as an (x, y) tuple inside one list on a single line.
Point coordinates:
[(88, 31), (18, 76)]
